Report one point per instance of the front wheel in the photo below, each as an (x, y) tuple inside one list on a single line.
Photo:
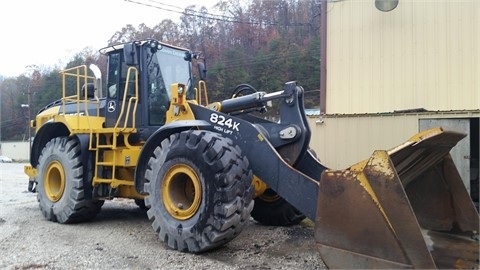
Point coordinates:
[(200, 191), (60, 186)]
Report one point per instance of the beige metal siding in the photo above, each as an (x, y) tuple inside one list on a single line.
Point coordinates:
[(343, 140), (340, 142), (423, 54)]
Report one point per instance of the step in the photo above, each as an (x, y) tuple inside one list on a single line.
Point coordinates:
[(104, 146), (104, 163), (118, 130)]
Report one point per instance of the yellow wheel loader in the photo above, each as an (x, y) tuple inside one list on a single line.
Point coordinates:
[(202, 169)]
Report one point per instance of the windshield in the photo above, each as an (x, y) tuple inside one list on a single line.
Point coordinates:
[(166, 66), (173, 67)]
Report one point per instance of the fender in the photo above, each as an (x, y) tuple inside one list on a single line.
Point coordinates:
[(154, 140), (47, 132)]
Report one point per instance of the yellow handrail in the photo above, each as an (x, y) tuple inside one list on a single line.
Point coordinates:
[(79, 74), (202, 90), (130, 101)]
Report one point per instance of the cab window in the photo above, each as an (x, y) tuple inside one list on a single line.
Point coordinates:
[(113, 75)]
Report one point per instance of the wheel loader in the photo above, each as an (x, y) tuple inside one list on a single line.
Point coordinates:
[(202, 169)]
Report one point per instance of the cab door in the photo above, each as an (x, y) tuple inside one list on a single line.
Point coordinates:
[(113, 105), (121, 85)]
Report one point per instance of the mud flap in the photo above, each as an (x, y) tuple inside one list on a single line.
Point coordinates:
[(32, 173), (403, 208)]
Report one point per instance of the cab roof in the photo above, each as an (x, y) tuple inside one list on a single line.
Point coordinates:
[(120, 46)]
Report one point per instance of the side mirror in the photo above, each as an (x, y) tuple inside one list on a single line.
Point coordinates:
[(202, 71), (130, 54), (386, 5)]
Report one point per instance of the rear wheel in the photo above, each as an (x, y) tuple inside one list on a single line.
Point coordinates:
[(271, 209), (60, 183), (199, 191)]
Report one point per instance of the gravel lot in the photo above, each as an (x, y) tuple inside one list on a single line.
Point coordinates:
[(121, 237)]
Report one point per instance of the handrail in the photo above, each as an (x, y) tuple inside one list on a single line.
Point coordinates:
[(79, 74), (131, 100), (202, 89)]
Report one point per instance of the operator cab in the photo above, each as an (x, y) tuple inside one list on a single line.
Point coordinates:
[(154, 67)]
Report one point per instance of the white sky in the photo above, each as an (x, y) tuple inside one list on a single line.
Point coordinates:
[(49, 32)]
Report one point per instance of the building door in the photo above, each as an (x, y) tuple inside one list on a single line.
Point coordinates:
[(465, 154)]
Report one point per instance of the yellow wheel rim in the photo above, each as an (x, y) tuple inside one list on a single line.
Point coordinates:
[(181, 192), (54, 180)]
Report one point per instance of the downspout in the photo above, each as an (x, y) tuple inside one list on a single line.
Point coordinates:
[(323, 57)]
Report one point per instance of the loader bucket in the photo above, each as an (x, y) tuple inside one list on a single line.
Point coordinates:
[(402, 208)]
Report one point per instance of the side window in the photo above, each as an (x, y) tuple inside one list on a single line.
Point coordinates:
[(158, 99), (127, 83), (117, 77), (113, 75)]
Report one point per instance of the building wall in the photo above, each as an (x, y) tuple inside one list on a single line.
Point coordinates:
[(343, 140), (423, 54), (17, 151)]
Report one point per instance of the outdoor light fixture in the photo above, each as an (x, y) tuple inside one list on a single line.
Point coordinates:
[(386, 5)]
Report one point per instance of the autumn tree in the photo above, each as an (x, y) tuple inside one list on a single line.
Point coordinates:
[(264, 43)]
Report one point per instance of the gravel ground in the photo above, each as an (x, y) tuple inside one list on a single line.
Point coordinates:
[(121, 237)]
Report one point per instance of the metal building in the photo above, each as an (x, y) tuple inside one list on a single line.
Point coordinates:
[(392, 74)]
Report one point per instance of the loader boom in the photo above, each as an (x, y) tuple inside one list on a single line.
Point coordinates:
[(277, 152)]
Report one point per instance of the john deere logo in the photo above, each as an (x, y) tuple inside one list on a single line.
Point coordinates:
[(111, 106)]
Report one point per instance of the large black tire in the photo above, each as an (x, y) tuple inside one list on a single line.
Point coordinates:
[(272, 210), (60, 190), (200, 191)]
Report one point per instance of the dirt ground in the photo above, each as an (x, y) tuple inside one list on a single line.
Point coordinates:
[(121, 237)]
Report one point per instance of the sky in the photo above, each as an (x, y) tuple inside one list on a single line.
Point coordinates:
[(47, 33)]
